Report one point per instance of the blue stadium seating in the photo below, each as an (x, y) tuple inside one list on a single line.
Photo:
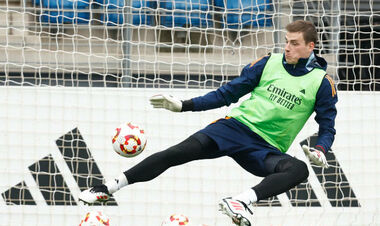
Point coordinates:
[(36, 3), (245, 13), (142, 11), (186, 13), (65, 11)]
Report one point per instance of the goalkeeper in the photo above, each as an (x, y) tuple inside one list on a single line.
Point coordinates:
[(285, 90)]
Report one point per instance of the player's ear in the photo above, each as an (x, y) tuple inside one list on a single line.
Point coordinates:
[(311, 45)]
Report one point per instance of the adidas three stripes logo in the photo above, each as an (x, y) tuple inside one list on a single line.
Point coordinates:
[(51, 182)]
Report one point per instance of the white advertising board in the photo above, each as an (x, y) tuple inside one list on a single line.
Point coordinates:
[(33, 119)]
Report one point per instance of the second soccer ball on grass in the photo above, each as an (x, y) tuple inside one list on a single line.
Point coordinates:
[(176, 220), (95, 218)]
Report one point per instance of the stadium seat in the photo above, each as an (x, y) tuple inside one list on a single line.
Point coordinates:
[(245, 13), (36, 3), (142, 11), (186, 13), (65, 11)]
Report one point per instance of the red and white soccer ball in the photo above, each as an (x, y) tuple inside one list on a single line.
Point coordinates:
[(95, 218), (129, 140), (176, 220)]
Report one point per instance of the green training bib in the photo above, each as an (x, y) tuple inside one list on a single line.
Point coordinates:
[(281, 103)]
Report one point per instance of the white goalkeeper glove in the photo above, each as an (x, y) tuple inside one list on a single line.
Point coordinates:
[(316, 156), (166, 101)]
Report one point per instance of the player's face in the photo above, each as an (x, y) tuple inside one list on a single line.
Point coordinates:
[(296, 47)]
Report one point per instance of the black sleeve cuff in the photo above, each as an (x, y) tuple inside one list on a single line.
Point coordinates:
[(187, 105)]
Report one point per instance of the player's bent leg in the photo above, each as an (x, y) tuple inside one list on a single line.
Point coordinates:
[(237, 210), (94, 194), (288, 173)]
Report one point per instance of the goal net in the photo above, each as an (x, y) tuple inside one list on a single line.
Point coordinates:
[(73, 70)]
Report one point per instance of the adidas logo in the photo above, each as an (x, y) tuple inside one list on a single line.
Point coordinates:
[(302, 91), (50, 180), (304, 195)]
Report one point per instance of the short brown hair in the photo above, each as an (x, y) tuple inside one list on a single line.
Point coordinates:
[(307, 28)]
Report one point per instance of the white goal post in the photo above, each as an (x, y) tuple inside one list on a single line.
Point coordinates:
[(73, 70)]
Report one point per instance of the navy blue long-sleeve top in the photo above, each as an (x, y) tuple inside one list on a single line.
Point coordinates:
[(249, 78)]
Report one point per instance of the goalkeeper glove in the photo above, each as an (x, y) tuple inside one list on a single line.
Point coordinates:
[(316, 156), (166, 101)]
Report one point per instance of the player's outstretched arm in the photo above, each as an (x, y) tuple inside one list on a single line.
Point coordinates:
[(167, 102), (316, 156)]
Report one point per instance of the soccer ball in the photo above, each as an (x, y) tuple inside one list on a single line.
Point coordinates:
[(176, 220), (95, 218), (129, 140)]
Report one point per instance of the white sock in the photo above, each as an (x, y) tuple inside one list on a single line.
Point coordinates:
[(117, 183), (248, 196)]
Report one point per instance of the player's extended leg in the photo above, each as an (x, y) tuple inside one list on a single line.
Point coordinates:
[(197, 146), (284, 172)]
